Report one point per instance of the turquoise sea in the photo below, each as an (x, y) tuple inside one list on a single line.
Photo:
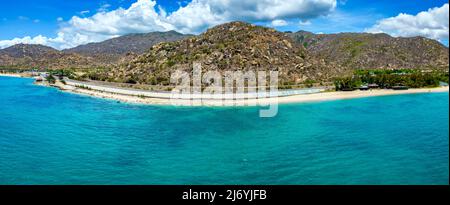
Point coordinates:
[(51, 137)]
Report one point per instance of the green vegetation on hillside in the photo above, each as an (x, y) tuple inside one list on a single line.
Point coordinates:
[(374, 51), (50, 79), (70, 73)]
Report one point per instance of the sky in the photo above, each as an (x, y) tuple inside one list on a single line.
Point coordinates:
[(69, 23)]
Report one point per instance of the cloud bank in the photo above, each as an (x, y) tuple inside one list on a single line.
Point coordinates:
[(145, 16), (432, 24)]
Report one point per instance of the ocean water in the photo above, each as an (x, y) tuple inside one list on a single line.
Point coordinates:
[(51, 137)]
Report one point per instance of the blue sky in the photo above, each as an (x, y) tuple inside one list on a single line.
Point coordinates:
[(364, 13), (47, 18)]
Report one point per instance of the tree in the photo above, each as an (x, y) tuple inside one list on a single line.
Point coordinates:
[(50, 79)]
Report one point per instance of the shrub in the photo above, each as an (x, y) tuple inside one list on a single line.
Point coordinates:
[(50, 79)]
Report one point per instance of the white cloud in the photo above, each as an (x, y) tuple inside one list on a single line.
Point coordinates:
[(196, 16), (343, 2), (23, 18), (104, 8), (200, 14), (432, 24), (265, 10), (59, 19), (27, 40), (279, 23), (84, 12)]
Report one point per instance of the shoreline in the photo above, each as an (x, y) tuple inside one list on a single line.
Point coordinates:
[(302, 98), (13, 75), (344, 95)]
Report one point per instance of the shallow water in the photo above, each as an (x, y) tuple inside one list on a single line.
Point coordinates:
[(51, 137)]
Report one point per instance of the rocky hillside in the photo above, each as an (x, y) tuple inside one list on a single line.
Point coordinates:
[(26, 56), (135, 43), (228, 47), (299, 57), (370, 51), (30, 50), (102, 54)]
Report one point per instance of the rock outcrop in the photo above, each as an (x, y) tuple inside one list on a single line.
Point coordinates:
[(228, 47), (374, 51)]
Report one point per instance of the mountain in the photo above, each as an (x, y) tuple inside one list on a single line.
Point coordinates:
[(299, 57), (102, 54), (27, 50), (27, 56), (227, 47), (132, 43), (374, 51)]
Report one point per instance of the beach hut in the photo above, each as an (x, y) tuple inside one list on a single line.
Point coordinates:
[(400, 87), (364, 87), (443, 84), (373, 86), (43, 75), (39, 79), (348, 89)]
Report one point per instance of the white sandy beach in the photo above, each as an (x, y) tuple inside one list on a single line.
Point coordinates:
[(316, 97)]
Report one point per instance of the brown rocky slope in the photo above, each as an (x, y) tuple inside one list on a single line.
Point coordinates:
[(29, 56), (227, 47), (375, 51), (114, 49)]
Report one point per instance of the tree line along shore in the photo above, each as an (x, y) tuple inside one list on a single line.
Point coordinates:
[(57, 79), (392, 79), (360, 79)]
